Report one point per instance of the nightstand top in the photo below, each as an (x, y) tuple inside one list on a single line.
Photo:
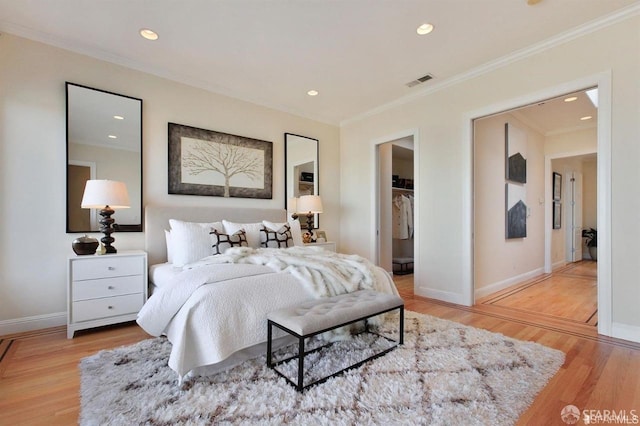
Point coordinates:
[(120, 253)]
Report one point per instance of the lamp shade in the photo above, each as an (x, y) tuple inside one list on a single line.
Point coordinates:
[(292, 204), (101, 193), (309, 203)]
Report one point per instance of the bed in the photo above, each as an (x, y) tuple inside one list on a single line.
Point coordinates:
[(213, 308)]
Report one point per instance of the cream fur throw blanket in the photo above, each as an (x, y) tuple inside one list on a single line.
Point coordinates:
[(322, 272)]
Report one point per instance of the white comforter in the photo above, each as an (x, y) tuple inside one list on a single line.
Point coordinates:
[(219, 305)]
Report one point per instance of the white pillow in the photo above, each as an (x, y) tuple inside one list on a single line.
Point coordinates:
[(191, 241), (296, 232), (252, 230), (167, 237)]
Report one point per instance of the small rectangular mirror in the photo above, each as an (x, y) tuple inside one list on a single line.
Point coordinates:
[(104, 141)]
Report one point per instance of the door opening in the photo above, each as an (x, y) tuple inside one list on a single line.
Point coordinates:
[(513, 273), (396, 209)]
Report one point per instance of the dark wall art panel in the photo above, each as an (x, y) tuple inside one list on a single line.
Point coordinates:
[(516, 153), (516, 211)]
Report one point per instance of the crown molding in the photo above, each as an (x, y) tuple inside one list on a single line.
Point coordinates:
[(584, 29)]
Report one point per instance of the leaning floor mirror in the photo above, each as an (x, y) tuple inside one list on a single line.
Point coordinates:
[(104, 141)]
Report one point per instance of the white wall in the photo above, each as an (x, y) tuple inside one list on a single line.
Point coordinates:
[(33, 243), (441, 117), (500, 262)]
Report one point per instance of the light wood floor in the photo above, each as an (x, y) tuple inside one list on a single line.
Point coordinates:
[(570, 293), (39, 377)]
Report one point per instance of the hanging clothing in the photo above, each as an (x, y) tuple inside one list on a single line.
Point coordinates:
[(402, 216)]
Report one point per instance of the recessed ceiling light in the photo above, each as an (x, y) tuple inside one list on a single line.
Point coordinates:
[(312, 93), (424, 29), (113, 137), (118, 117), (148, 34), (586, 117), (571, 99)]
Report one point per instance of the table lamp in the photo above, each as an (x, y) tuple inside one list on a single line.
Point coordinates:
[(309, 205), (105, 195)]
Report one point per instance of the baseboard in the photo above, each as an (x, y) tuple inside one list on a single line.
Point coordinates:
[(626, 332), (501, 285), (36, 322), (559, 264), (445, 296)]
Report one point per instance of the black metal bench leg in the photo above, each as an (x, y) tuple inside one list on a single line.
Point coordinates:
[(300, 364), (269, 334), (401, 338)]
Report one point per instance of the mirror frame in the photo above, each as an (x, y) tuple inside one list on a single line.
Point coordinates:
[(121, 228), (289, 140)]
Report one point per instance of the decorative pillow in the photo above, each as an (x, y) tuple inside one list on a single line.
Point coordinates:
[(276, 237), (296, 232), (223, 241), (167, 237), (191, 241), (252, 230)]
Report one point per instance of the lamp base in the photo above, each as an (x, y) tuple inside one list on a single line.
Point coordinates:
[(107, 229), (310, 227)]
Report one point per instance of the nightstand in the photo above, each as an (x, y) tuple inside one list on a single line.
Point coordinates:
[(105, 289), (329, 245)]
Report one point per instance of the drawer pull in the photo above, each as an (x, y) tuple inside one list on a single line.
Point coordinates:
[(111, 268), (109, 307), (110, 287)]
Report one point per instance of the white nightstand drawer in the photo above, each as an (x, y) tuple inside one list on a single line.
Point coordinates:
[(106, 287), (103, 267), (86, 310)]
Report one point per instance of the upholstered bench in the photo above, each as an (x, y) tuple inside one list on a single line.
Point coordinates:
[(325, 314)]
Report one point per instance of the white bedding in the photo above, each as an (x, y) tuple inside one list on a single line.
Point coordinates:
[(162, 274), (215, 308)]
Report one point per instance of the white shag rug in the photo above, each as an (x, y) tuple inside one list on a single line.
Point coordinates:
[(445, 373)]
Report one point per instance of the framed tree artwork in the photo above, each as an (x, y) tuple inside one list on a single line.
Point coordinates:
[(206, 162)]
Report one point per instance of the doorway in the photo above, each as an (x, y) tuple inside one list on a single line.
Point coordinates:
[(396, 207), (528, 273), (79, 172)]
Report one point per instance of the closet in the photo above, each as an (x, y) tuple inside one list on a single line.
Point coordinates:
[(402, 230), (396, 209)]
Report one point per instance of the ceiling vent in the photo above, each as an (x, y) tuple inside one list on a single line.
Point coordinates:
[(419, 80)]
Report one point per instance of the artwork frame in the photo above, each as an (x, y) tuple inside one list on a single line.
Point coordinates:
[(557, 186), (557, 215), (196, 162), (321, 234)]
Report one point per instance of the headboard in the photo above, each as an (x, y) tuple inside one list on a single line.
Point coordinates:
[(156, 220)]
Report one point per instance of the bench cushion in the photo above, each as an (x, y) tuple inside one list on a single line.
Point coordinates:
[(329, 312)]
